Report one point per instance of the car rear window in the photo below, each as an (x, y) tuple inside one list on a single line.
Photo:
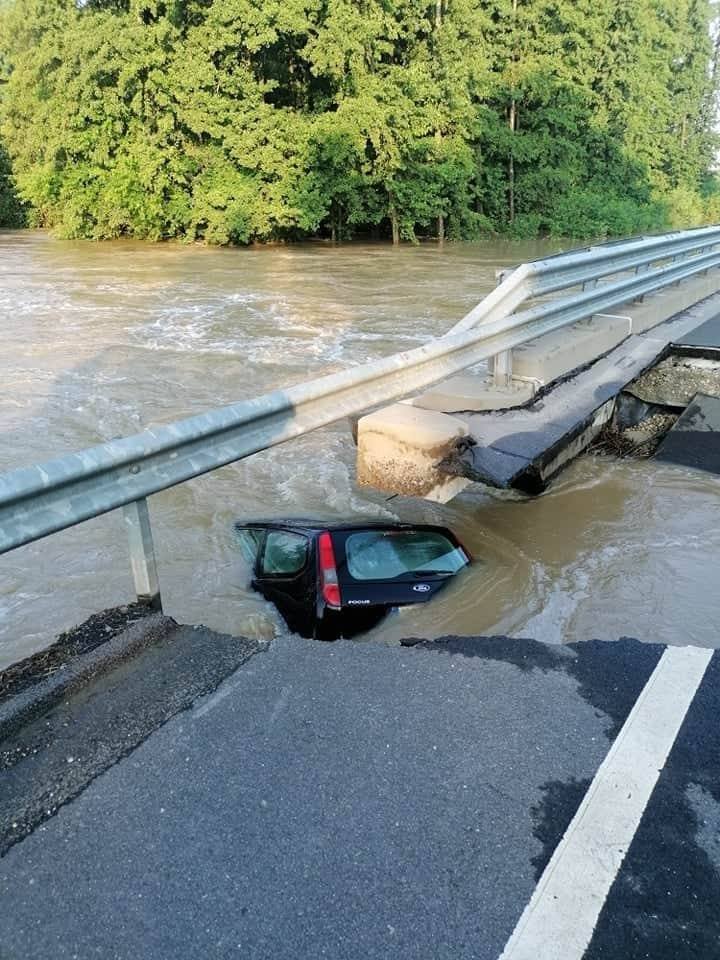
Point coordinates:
[(388, 554)]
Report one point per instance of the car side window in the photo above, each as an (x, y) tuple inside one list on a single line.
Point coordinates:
[(250, 541), (285, 553)]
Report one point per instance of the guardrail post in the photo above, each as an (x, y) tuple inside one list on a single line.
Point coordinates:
[(502, 368), (673, 261), (142, 552), (641, 268)]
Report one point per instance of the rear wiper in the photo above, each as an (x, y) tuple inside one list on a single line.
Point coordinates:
[(431, 573)]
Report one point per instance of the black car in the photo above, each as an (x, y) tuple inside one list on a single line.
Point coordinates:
[(340, 579)]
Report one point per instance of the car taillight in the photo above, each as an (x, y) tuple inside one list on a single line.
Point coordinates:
[(328, 570), (465, 550)]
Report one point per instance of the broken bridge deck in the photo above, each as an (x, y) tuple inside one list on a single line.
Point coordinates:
[(524, 448)]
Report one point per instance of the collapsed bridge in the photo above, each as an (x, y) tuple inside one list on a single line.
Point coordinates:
[(518, 420), (650, 278)]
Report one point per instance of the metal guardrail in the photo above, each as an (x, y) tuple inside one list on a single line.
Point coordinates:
[(566, 270), (40, 500)]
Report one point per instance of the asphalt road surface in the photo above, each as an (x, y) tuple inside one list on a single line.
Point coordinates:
[(463, 799)]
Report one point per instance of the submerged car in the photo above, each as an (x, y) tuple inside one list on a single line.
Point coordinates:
[(339, 579)]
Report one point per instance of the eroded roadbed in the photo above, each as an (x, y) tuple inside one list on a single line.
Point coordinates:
[(50, 760), (342, 800)]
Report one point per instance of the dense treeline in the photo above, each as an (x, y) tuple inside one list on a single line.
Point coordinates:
[(237, 120)]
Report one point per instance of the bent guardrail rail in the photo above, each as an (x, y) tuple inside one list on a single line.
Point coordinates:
[(39, 500)]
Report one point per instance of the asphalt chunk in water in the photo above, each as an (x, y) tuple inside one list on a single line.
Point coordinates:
[(694, 441), (49, 762)]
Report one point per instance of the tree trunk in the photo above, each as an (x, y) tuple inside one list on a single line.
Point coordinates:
[(512, 121), (511, 166), (395, 225), (438, 133)]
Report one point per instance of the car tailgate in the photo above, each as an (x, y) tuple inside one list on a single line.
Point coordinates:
[(391, 567)]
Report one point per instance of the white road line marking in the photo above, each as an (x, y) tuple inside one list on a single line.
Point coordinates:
[(559, 921)]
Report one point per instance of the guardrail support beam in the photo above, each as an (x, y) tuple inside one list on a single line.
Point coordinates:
[(142, 552), (502, 368)]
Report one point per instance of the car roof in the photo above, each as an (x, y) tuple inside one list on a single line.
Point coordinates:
[(315, 526)]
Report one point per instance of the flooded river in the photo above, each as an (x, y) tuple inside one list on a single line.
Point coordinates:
[(101, 340)]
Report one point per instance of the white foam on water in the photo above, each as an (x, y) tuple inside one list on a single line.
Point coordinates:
[(323, 481), (275, 330), (562, 594), (551, 624)]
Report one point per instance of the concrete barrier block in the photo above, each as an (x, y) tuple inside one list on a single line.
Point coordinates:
[(468, 392), (552, 356), (666, 303), (400, 447)]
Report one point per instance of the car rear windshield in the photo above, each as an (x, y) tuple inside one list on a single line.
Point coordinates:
[(389, 554)]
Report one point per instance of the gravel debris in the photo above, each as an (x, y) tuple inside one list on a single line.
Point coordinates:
[(675, 381), (641, 440)]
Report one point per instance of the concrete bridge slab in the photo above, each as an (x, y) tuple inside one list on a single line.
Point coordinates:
[(703, 341), (524, 448)]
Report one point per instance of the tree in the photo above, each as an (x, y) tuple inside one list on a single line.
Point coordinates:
[(11, 210), (231, 121)]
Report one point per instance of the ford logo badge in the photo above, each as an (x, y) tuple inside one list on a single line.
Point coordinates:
[(421, 587)]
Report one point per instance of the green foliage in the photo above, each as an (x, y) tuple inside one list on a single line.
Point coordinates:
[(231, 121), (589, 214), (12, 213)]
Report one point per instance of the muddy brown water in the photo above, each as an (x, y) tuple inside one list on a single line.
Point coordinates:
[(101, 340)]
